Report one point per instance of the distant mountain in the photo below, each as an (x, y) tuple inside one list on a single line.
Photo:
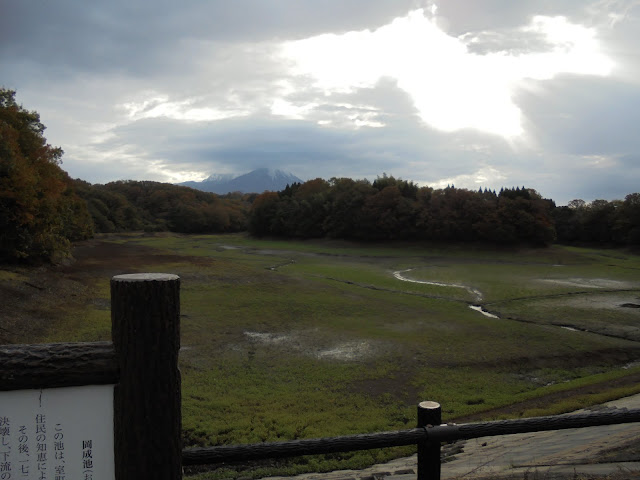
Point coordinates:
[(256, 181), (215, 179)]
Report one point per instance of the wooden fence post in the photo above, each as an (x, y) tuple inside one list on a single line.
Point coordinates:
[(429, 414), (145, 314)]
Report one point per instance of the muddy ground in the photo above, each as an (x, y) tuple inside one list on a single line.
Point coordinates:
[(34, 298)]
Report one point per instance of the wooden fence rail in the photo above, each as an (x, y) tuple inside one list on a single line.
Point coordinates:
[(426, 436), (294, 448), (52, 365), (142, 364)]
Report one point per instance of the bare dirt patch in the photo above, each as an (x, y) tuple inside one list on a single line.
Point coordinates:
[(34, 298), (609, 301), (308, 343), (590, 283)]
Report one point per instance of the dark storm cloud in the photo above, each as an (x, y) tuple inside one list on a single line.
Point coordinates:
[(610, 183), (584, 115), (141, 37), (299, 146), (304, 147), (119, 85), (404, 147), (579, 177), (459, 17)]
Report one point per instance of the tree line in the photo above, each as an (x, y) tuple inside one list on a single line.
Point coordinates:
[(153, 207), (615, 222), (40, 213), (396, 209), (43, 210)]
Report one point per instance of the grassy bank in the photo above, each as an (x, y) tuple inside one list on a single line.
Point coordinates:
[(284, 340)]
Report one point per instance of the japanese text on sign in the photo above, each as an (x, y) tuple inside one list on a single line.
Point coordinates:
[(57, 434)]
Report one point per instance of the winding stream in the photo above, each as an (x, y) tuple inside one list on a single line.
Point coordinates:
[(477, 294), (480, 308)]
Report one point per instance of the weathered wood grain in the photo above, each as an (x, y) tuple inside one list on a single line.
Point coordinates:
[(50, 365), (145, 312), (232, 453)]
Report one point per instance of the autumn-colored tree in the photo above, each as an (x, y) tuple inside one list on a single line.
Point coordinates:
[(569, 221), (263, 212), (345, 201), (614, 222), (311, 199), (387, 215), (394, 209), (630, 213), (407, 189), (39, 212), (128, 205)]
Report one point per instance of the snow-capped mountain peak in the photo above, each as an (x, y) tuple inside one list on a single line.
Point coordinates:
[(219, 177), (256, 181)]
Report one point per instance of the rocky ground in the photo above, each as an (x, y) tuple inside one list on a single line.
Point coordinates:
[(610, 452)]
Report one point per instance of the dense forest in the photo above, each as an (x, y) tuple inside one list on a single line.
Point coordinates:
[(395, 209), (603, 222), (152, 206), (43, 210), (40, 213)]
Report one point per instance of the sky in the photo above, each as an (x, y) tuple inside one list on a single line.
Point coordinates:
[(472, 93)]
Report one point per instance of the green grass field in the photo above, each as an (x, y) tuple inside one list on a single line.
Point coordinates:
[(288, 339)]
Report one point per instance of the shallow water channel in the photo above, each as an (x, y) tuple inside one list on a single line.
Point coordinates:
[(477, 294)]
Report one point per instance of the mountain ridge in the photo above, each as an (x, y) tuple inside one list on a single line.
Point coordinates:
[(256, 181)]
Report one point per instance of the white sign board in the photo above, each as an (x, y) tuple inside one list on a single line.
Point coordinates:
[(57, 434)]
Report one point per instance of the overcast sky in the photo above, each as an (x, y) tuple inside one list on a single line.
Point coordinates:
[(475, 93)]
